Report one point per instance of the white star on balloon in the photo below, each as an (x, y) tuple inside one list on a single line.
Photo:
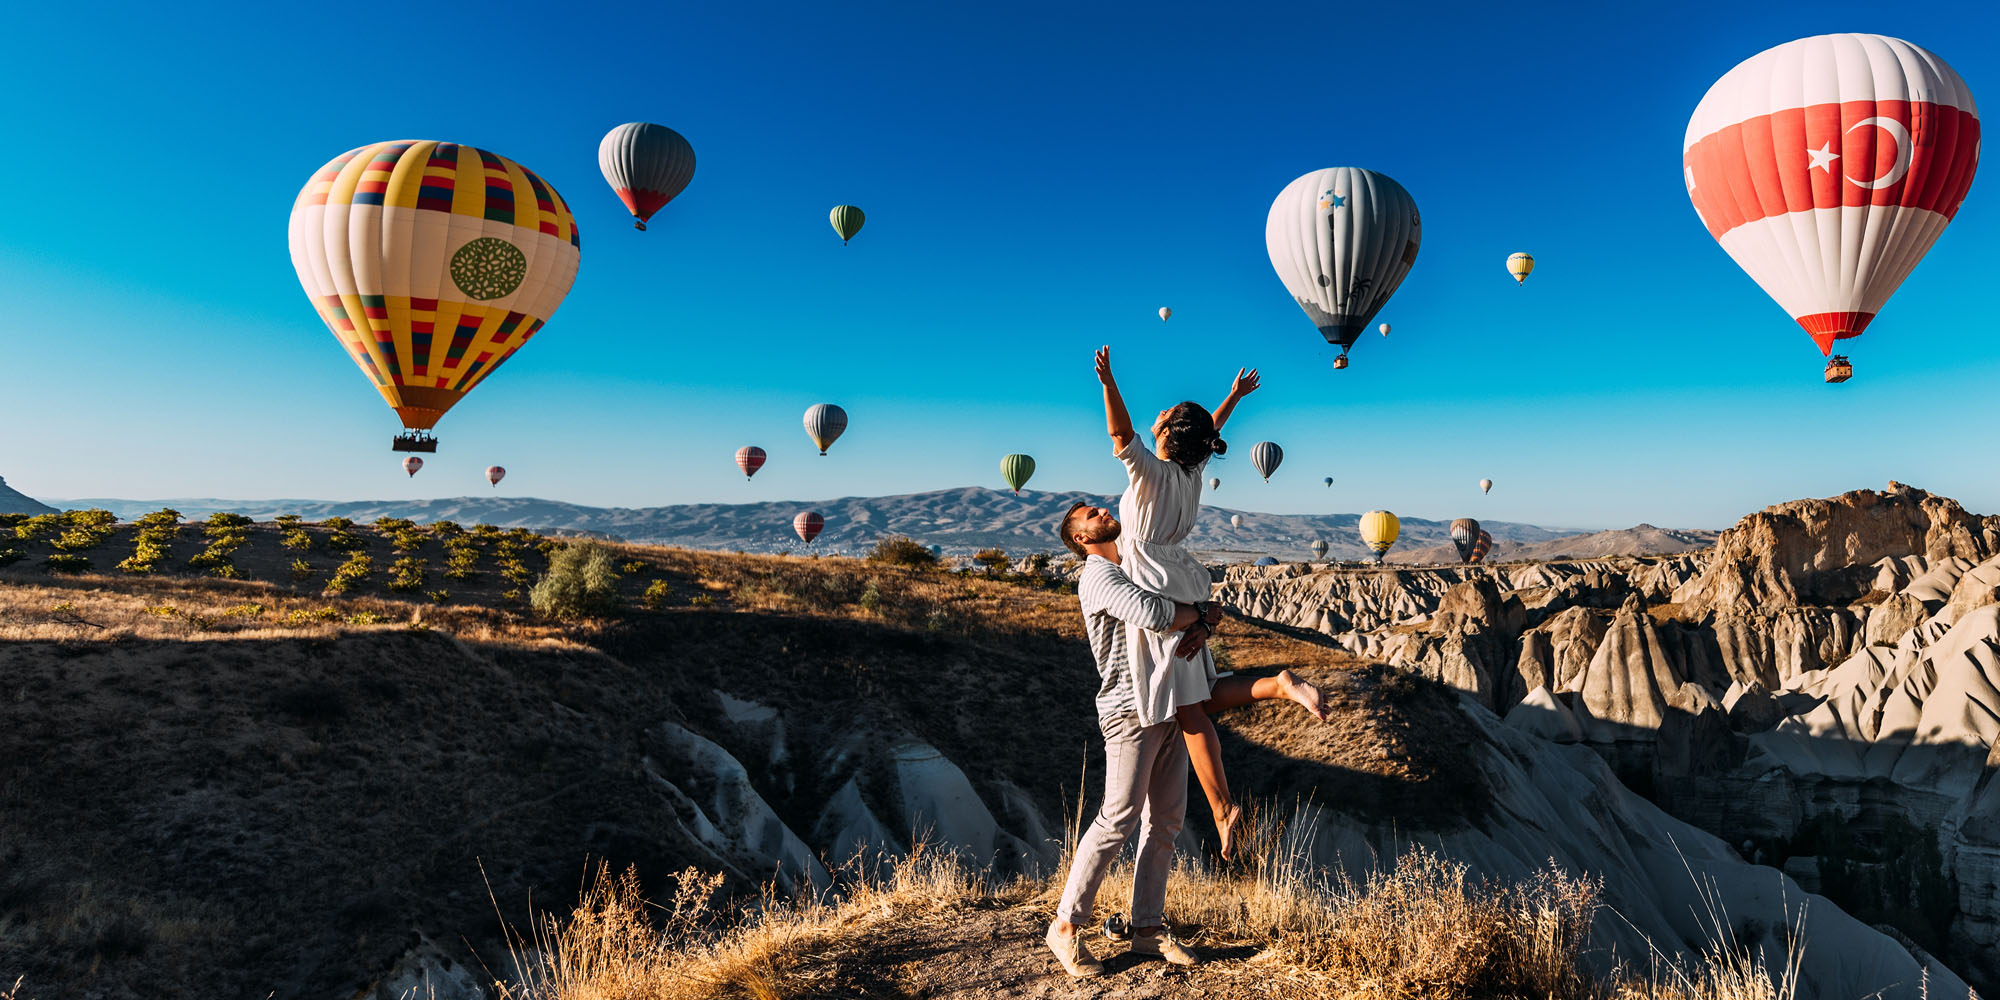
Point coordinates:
[(1823, 157)]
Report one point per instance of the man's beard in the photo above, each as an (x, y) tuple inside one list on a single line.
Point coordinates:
[(1109, 534)]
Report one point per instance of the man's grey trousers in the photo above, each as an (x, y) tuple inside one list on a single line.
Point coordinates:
[(1145, 790)]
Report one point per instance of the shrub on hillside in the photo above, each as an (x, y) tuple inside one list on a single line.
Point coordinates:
[(995, 561), (351, 574), (38, 527), (657, 594), (581, 582), (10, 556), (298, 539), (391, 525), (223, 520), (95, 517), (161, 519), (902, 550), (406, 575), (446, 529), (65, 562), (288, 520)]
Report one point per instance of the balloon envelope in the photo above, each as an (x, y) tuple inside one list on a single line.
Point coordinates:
[(1236, 520), (808, 526), (1267, 561), (1464, 532), (1480, 546), (1827, 166), (749, 458), (1383, 329), (1379, 529), (647, 165), (1165, 313), (412, 464), (1520, 265), (1214, 483), (847, 221), (1342, 240), (1486, 486), (1016, 470), (494, 474), (825, 423), (1319, 547), (1265, 457), (431, 263), (1329, 480)]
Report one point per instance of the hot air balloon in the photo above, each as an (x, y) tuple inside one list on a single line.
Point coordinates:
[(1329, 482), (1165, 313), (647, 165), (1342, 240), (825, 423), (808, 526), (1236, 520), (1016, 470), (1379, 529), (1383, 329), (1480, 546), (1464, 533), (412, 464), (1486, 486), (1826, 167), (432, 263), (749, 458), (494, 474), (1265, 457), (1520, 265), (1214, 483), (847, 220), (1266, 561), (1319, 548)]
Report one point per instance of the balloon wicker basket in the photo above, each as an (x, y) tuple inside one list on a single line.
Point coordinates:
[(1838, 369), (414, 441)]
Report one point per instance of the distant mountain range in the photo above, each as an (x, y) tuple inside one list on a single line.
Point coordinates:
[(958, 521)]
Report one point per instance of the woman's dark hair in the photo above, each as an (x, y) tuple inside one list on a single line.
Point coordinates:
[(1189, 435)]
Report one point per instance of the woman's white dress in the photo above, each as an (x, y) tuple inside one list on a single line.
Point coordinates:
[(1157, 512)]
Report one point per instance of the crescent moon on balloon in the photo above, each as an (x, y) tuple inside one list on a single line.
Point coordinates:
[(1903, 152)]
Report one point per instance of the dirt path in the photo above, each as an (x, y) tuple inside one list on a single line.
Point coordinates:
[(995, 952)]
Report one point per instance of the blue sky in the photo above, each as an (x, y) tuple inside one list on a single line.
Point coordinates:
[(1039, 179)]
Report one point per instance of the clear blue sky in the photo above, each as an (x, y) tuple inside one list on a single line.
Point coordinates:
[(1039, 178)]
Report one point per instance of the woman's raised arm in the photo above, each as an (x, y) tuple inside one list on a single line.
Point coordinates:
[(1117, 422), (1245, 384)]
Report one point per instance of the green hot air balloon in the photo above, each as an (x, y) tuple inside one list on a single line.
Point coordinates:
[(1016, 469), (846, 221)]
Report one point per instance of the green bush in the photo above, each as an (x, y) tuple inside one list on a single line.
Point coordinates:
[(485, 530), (390, 525), (995, 561), (581, 582), (166, 517), (337, 524), (81, 539), (95, 517), (516, 572), (288, 520), (447, 530), (406, 575), (902, 550), (298, 539), (146, 555), (223, 520), (351, 574), (301, 570), (409, 539), (657, 594), (8, 557), (632, 568), (38, 527), (63, 562), (438, 596)]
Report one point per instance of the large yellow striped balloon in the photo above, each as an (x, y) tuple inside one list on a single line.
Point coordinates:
[(432, 263)]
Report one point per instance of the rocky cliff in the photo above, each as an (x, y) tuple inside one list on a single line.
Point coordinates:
[(1819, 688)]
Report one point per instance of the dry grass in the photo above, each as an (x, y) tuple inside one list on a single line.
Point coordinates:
[(1421, 929)]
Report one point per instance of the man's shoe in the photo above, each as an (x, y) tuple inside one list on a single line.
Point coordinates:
[(1075, 958), (1164, 945)]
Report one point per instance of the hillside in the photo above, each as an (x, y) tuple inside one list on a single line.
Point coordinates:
[(959, 521), (248, 785), (1641, 540), (14, 502)]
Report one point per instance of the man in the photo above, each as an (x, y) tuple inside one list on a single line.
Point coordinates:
[(1146, 768)]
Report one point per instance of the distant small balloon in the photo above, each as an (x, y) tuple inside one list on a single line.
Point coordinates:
[(1017, 470), (1214, 483), (1265, 456), (1520, 265), (1319, 548), (808, 526), (1329, 480), (749, 459), (825, 423), (1486, 486), (412, 464), (494, 474), (1236, 520), (1384, 329), (847, 221), (1165, 313)]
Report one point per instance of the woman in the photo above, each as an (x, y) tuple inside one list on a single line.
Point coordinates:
[(1173, 675)]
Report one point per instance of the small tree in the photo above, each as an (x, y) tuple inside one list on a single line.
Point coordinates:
[(581, 582), (902, 550), (995, 561)]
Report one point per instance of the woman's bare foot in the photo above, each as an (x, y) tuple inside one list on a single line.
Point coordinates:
[(1225, 828), (1303, 692)]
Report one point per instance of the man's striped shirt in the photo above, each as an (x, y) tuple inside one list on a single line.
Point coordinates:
[(1110, 599)]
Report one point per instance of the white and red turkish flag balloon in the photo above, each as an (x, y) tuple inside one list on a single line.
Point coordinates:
[(1827, 167)]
